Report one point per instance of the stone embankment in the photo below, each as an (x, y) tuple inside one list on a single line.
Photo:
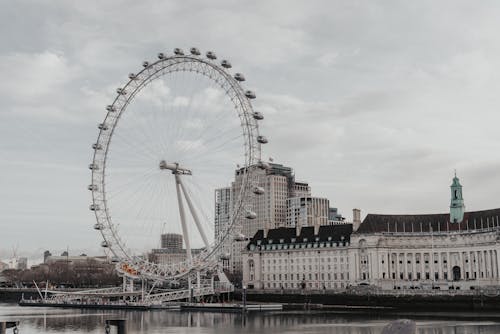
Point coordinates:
[(439, 301)]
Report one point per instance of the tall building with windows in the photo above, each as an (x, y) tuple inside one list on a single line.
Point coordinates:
[(270, 207), (307, 211), (223, 213)]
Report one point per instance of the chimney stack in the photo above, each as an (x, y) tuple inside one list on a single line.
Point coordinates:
[(356, 219)]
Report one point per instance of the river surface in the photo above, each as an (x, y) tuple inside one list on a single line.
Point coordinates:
[(57, 320)]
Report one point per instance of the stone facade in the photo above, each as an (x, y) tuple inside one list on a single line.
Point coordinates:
[(456, 250), (457, 259)]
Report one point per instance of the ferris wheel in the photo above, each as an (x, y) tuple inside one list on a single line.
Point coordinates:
[(175, 132)]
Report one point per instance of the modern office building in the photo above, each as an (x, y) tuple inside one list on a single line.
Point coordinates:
[(278, 185), (307, 211)]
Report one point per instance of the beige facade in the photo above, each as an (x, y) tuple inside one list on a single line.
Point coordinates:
[(307, 211), (387, 252), (444, 260)]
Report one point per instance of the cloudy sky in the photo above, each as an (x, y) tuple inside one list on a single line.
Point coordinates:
[(374, 103)]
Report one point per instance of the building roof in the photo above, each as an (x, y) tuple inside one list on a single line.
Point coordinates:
[(287, 235), (474, 220)]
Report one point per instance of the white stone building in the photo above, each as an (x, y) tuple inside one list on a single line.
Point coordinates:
[(456, 250), (298, 258)]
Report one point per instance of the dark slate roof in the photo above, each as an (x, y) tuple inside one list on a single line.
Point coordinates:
[(336, 233), (374, 223)]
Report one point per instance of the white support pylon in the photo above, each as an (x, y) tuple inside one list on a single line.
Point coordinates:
[(194, 214), (183, 218)]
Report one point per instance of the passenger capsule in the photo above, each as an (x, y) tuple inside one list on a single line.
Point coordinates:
[(250, 215), (121, 91), (132, 76), (239, 77), (105, 244), (115, 259), (92, 187), (262, 139), (110, 108), (103, 126), (258, 190), (240, 237), (225, 256), (94, 207), (211, 55), (145, 64), (257, 115), (98, 227), (94, 167), (226, 64), (195, 51), (97, 146), (250, 94), (179, 52), (161, 55)]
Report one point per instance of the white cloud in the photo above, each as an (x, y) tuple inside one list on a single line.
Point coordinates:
[(373, 103), (31, 76)]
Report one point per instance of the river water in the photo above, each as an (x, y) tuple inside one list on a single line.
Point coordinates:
[(56, 320)]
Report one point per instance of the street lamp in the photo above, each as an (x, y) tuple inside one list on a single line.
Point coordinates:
[(244, 298)]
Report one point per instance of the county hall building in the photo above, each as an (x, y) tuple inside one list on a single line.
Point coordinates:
[(455, 250)]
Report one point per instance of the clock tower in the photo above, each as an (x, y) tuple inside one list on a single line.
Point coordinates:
[(457, 206)]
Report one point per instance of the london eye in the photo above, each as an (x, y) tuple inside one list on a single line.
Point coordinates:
[(175, 132)]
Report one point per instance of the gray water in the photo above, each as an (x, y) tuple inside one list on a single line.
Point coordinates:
[(56, 320)]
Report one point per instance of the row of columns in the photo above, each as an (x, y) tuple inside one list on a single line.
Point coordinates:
[(485, 264)]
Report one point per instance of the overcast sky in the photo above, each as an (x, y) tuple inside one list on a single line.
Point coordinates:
[(374, 103)]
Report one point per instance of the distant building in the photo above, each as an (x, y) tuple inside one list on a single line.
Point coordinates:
[(223, 214), (22, 263), (334, 217), (171, 241), (46, 254), (455, 250), (171, 250), (307, 211), (52, 259)]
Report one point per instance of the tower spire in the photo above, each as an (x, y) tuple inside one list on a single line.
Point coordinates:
[(457, 206)]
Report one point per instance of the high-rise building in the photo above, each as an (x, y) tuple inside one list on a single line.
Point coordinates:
[(270, 207), (223, 207), (172, 241), (307, 211), (171, 250)]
